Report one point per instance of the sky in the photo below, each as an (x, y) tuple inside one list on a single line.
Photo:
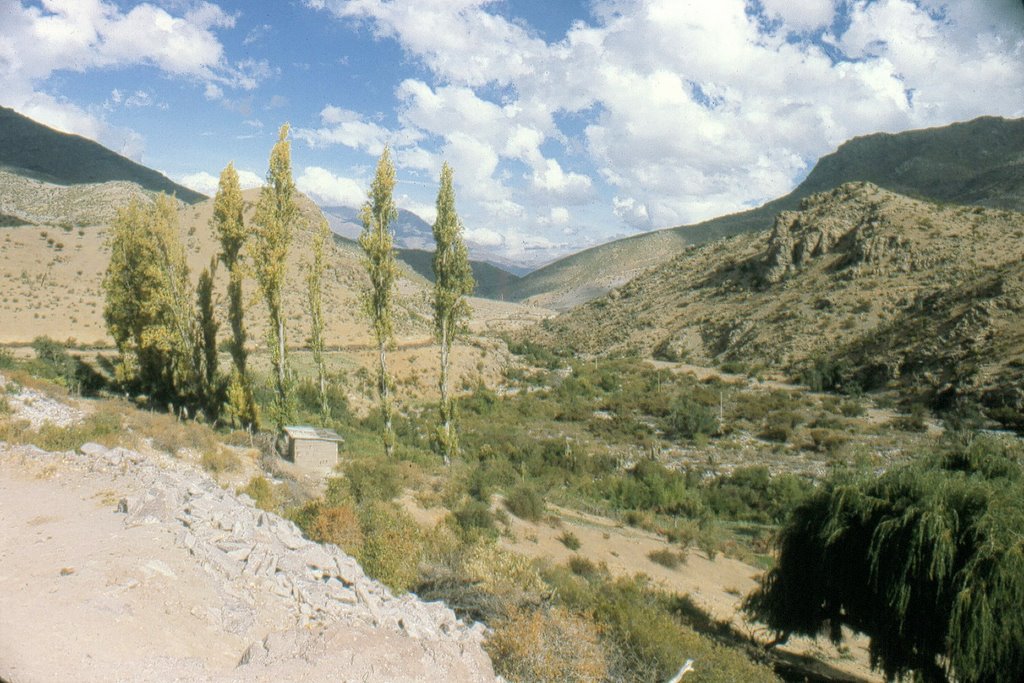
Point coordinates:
[(567, 122)]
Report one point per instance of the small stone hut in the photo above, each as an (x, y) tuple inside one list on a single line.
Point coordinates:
[(313, 448)]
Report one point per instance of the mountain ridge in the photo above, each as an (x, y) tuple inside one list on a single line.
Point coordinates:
[(978, 162), (32, 149), (859, 288)]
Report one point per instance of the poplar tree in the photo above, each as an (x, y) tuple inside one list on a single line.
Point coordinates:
[(314, 282), (377, 240), (206, 342), (453, 282), (229, 225), (149, 309), (276, 214)]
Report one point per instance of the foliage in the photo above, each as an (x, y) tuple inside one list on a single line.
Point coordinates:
[(525, 502), (927, 560), (751, 493), (377, 242), (338, 524), (262, 493), (475, 520), (370, 479), (229, 225), (551, 644), (276, 215), (314, 283), (570, 540), (392, 545), (645, 638), (148, 305), (55, 363), (453, 282), (669, 559), (688, 418)]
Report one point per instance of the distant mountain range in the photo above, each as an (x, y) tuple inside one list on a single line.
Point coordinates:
[(30, 149), (414, 239), (980, 162)]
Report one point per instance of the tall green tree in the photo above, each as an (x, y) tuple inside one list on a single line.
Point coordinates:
[(314, 289), (926, 560), (276, 215), (453, 282), (377, 242), (206, 342), (149, 309), (229, 225)]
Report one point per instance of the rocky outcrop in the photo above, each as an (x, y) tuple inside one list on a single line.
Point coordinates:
[(849, 223), (329, 619)]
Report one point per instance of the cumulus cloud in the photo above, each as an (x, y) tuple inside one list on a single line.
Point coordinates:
[(328, 189), (61, 35), (206, 183), (681, 110)]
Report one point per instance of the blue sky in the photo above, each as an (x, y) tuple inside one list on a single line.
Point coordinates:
[(568, 122)]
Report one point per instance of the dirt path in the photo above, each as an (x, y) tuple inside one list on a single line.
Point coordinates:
[(90, 593)]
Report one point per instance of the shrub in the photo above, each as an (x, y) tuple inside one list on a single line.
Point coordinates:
[(667, 558), (475, 519), (687, 418), (851, 407), (392, 545), (338, 525), (262, 493), (570, 540), (220, 459), (525, 502), (547, 645), (372, 479)]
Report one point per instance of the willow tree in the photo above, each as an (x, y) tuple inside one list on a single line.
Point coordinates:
[(453, 282), (229, 225), (149, 309), (276, 215), (926, 560), (314, 290), (377, 242)]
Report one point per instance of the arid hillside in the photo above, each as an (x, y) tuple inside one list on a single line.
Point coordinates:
[(866, 285), (53, 255), (979, 163)]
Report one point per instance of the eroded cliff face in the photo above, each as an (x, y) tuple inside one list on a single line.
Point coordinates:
[(119, 565)]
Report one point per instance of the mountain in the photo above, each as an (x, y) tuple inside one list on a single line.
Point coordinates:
[(414, 239), (862, 286), (36, 151), (411, 231), (980, 162)]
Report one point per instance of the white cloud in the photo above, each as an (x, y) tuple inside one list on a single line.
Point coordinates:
[(801, 15), (682, 109), (206, 183), (484, 237), (351, 129), (329, 189), (83, 35)]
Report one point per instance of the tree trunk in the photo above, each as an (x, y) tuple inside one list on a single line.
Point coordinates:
[(385, 400), (446, 413)]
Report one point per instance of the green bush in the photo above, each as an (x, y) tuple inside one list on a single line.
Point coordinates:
[(392, 546), (687, 418), (669, 559), (371, 479), (570, 540), (262, 493), (525, 502), (475, 519)]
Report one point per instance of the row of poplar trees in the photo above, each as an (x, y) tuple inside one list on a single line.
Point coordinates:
[(168, 345)]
